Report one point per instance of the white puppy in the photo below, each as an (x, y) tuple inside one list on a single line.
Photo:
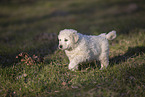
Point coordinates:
[(82, 48)]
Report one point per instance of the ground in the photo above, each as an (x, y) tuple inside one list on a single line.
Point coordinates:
[(31, 64)]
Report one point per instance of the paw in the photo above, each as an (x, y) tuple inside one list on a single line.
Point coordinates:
[(74, 68), (102, 68)]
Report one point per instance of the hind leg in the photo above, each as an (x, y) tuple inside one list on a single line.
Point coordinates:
[(104, 60), (104, 56)]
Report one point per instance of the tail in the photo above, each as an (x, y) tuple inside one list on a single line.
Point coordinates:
[(110, 36)]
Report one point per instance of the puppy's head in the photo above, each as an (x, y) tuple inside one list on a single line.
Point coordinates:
[(67, 39)]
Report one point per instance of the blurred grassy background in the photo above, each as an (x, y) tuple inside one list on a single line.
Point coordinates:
[(32, 25)]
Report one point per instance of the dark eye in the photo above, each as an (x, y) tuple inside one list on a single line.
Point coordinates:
[(59, 39), (65, 40)]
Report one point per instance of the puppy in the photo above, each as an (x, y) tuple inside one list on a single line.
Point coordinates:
[(85, 48)]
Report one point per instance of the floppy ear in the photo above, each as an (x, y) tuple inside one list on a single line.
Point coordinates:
[(75, 37)]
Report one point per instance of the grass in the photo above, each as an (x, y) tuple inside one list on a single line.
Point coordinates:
[(33, 27)]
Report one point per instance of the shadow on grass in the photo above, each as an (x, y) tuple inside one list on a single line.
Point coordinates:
[(7, 60), (132, 52), (57, 13)]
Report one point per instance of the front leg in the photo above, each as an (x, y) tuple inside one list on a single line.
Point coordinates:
[(73, 65)]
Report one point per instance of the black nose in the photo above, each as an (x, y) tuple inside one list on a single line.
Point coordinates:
[(60, 46)]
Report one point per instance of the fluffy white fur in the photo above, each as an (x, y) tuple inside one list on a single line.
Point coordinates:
[(83, 48)]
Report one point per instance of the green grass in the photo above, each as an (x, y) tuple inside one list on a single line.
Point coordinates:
[(33, 28)]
